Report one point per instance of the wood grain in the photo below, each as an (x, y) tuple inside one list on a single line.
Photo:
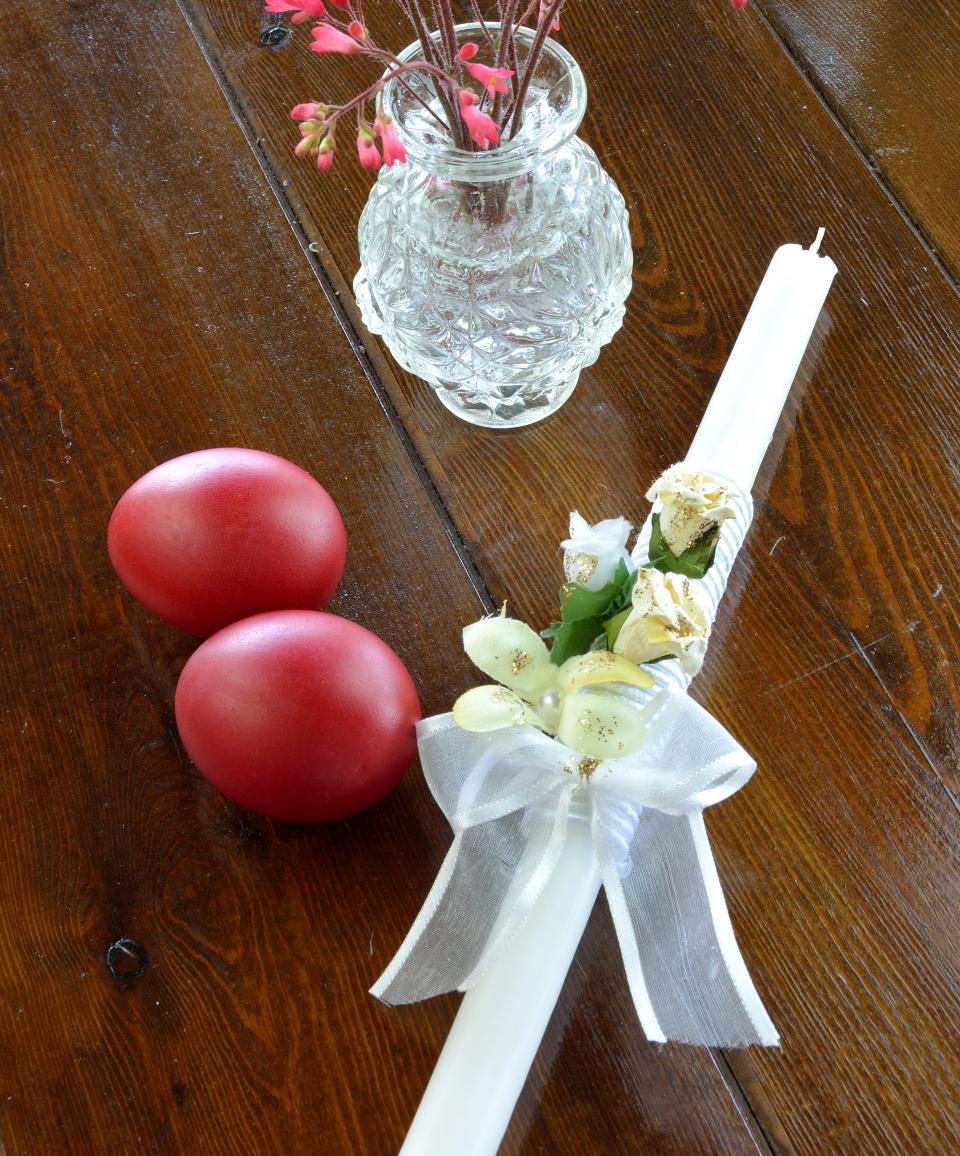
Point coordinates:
[(154, 301), (889, 72), (833, 659)]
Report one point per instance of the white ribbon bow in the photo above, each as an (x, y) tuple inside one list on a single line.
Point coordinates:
[(510, 796)]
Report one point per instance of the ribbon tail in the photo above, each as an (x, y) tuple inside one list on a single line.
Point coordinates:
[(386, 987), (485, 888), (623, 925), (686, 974), (545, 841), (726, 940)]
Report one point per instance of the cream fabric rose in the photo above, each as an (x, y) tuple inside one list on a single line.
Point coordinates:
[(667, 619), (693, 503), (591, 553)]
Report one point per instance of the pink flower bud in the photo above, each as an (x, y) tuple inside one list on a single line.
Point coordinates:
[(493, 79), (393, 149), (326, 38), (738, 3), (302, 10), (357, 30), (468, 51), (325, 154), (482, 128), (367, 150), (305, 111)]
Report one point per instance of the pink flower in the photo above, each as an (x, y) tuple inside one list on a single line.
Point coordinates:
[(492, 79), (326, 38), (555, 26), (306, 111), (483, 128), (367, 150), (302, 10), (393, 149), (468, 51), (357, 30), (738, 3), (325, 155)]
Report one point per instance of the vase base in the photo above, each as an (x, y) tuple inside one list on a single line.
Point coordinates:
[(491, 415)]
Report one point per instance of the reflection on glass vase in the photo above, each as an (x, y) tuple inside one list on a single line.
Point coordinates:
[(496, 277)]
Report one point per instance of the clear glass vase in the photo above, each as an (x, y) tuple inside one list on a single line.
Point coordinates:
[(497, 276)]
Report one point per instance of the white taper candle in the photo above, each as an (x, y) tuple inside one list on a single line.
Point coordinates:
[(495, 1036), (740, 420)]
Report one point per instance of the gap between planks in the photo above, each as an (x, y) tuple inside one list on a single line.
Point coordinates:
[(848, 131)]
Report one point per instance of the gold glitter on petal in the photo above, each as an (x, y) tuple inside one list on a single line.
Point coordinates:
[(580, 567), (583, 767), (520, 661)]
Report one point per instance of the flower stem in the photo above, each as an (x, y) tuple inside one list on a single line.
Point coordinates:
[(536, 50)]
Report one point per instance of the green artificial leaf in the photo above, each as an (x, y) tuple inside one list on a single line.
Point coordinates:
[(612, 626), (584, 613), (578, 602), (573, 638), (624, 595), (694, 562)]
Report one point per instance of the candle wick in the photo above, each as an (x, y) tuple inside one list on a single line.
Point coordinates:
[(816, 244)]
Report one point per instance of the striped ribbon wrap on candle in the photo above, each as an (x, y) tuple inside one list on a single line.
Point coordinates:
[(510, 796)]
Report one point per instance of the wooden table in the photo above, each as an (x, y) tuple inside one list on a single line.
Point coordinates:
[(173, 279)]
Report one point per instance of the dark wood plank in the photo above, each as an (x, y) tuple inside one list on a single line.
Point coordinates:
[(889, 72), (834, 656), (154, 301)]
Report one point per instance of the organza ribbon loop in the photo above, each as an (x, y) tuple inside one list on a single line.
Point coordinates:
[(510, 796)]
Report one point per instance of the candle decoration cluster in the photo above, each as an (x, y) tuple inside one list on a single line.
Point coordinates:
[(619, 614), (598, 728)]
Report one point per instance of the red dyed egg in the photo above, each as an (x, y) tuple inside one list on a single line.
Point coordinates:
[(215, 536), (298, 715)]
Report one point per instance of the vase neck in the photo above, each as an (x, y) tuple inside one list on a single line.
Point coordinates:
[(554, 107)]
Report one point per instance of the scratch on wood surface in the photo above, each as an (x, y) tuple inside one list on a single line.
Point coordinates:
[(776, 544), (914, 732), (858, 650), (63, 432)]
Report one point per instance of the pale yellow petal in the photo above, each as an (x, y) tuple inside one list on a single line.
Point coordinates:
[(601, 666), (488, 708), (601, 726), (510, 652)]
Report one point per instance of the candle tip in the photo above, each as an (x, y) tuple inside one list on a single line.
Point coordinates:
[(816, 244)]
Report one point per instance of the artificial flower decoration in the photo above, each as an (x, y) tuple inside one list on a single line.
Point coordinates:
[(667, 620), (592, 553), (532, 691), (693, 504)]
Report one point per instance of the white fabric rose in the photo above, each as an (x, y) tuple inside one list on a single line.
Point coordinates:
[(667, 620), (591, 553), (693, 503)]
